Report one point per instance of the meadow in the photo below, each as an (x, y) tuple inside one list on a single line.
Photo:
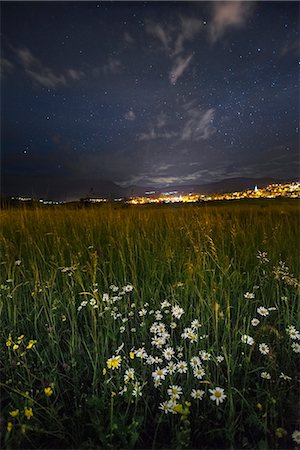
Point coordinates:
[(150, 327)]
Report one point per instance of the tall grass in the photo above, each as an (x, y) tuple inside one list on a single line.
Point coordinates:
[(203, 259)]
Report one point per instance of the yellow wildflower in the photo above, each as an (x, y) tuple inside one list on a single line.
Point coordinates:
[(31, 344), (131, 355), (113, 394), (114, 362), (15, 347), (28, 413), (20, 338), (9, 427), (48, 391), (14, 413), (23, 428), (9, 341), (104, 371)]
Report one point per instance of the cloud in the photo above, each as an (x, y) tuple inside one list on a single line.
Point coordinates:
[(75, 74), (228, 14), (199, 125), (162, 34), (113, 66), (130, 115), (190, 26), (128, 39), (6, 66), (43, 75), (172, 39), (39, 73), (179, 66)]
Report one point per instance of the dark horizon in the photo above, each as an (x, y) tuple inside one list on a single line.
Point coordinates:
[(142, 94)]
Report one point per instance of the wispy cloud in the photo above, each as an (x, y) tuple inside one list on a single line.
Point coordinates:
[(75, 74), (113, 66), (130, 115), (43, 75), (6, 66), (179, 66), (199, 125), (228, 14), (196, 126), (172, 39), (128, 39)]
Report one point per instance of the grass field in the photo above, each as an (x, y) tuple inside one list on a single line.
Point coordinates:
[(119, 324)]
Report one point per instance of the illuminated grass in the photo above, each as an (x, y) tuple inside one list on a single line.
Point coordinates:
[(203, 259)]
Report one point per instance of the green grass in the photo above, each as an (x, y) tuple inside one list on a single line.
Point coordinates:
[(202, 258)]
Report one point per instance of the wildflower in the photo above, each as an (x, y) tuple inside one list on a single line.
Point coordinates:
[(23, 429), (197, 394), (164, 304), (63, 318), (9, 427), (128, 288), (48, 391), (137, 390), (20, 339), (220, 358), (15, 347), (204, 355), (217, 395), (31, 344), (173, 325), (165, 407), (296, 436), (285, 377), (129, 375), (9, 341), (293, 332), (104, 371), (249, 295), (28, 413), (159, 374), (113, 288), (142, 312), (18, 262), (182, 367), (262, 311), (141, 353), (174, 391), (83, 303), (247, 339), (14, 413), (93, 302), (168, 353), (171, 367), (265, 375), (264, 349), (133, 330), (131, 355), (158, 315), (199, 373), (296, 347), (195, 362), (177, 311), (150, 360), (122, 329), (254, 322), (195, 324), (114, 362)]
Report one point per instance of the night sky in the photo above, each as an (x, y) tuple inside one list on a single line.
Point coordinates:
[(147, 93)]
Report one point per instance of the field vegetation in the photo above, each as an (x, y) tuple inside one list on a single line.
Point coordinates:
[(150, 327)]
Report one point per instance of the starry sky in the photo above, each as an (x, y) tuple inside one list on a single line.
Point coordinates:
[(148, 93)]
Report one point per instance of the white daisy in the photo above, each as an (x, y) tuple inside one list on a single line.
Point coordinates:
[(218, 395)]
